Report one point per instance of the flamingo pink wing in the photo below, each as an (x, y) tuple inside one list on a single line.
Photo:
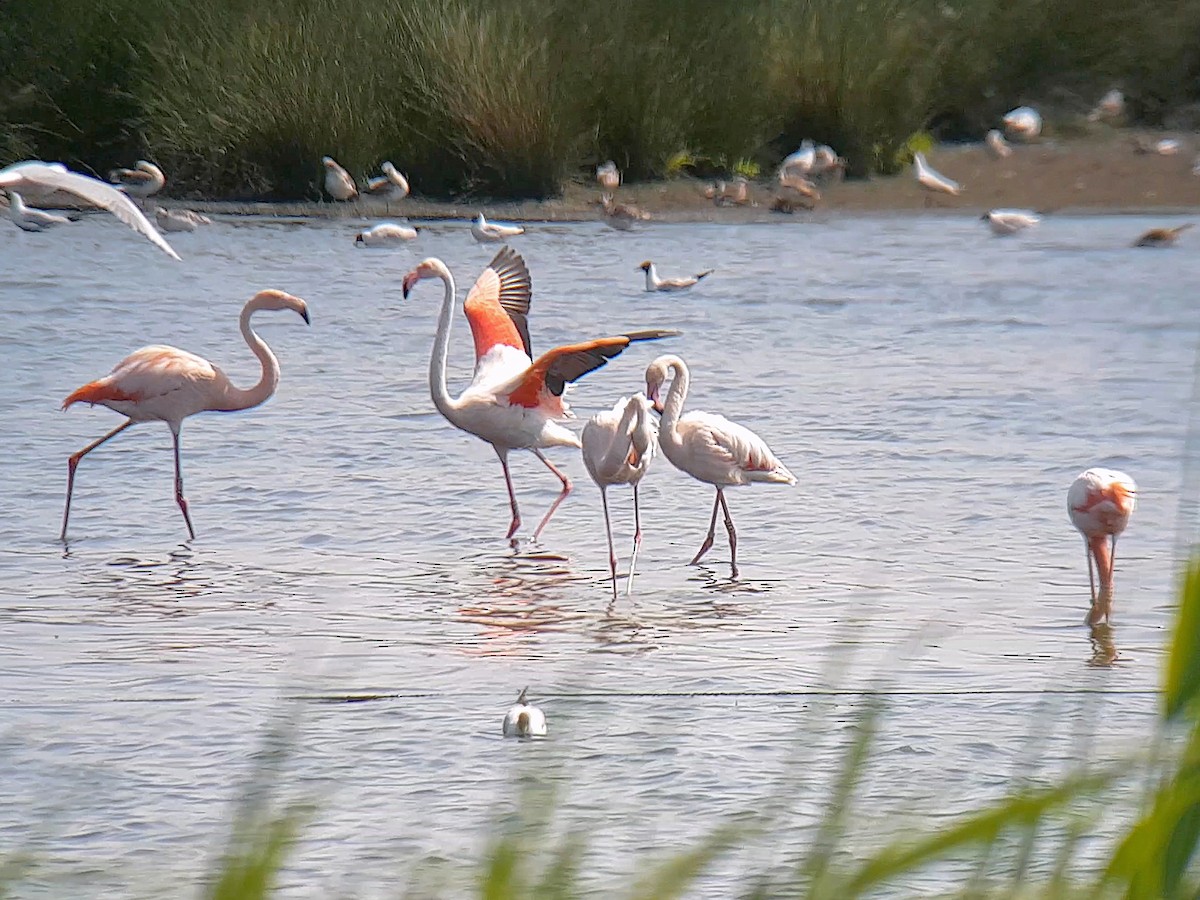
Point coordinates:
[(497, 307)]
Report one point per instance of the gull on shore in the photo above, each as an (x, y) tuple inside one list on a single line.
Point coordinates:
[(179, 219), (1024, 123), (609, 176), (31, 219), (391, 185), (1010, 221), (142, 181), (338, 183), (1162, 237), (39, 179), (735, 194), (826, 161), (493, 232), (932, 180), (386, 234), (800, 162), (1110, 108), (654, 283), (997, 145)]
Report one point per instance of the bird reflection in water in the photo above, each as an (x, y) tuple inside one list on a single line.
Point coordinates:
[(524, 596), (135, 585), (1104, 650)]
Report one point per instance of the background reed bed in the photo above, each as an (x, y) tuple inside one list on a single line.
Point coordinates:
[(239, 99)]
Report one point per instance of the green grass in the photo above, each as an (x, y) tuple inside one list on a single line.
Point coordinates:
[(241, 99)]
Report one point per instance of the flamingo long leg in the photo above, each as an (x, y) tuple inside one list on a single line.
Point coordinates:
[(637, 541), (612, 554), (732, 534), (1087, 549), (179, 487), (712, 530), (73, 464), (512, 496), (566, 489)]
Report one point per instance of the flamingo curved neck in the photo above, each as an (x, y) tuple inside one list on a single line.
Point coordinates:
[(238, 398), (633, 421), (673, 407), (438, 390)]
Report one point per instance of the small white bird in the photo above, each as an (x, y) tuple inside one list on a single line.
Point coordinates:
[(524, 719), (1167, 147), (1010, 221), (801, 161), (144, 180), (710, 448), (1024, 122), (179, 219), (1099, 504), (493, 232), (386, 234), (654, 283), (31, 219), (997, 145), (1111, 107), (609, 176), (34, 179), (391, 185), (618, 447), (932, 180), (338, 183)]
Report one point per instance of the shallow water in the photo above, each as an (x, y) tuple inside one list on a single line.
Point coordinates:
[(934, 389)]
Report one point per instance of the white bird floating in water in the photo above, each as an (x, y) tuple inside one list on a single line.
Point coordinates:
[(932, 180), (42, 179), (179, 219), (654, 283), (1099, 504), (493, 232), (997, 145), (618, 446), (524, 719), (1010, 221), (144, 180), (609, 176), (391, 185), (1024, 122), (386, 234), (31, 219), (338, 183)]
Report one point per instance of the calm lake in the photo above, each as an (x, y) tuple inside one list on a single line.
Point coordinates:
[(934, 389)]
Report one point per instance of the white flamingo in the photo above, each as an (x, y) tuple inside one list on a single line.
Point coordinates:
[(709, 447), (609, 176), (338, 183), (391, 185), (618, 447), (932, 180), (997, 145), (513, 400), (1099, 504), (144, 180), (1024, 123), (34, 178)]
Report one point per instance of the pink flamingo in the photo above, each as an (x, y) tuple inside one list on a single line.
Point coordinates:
[(710, 448), (618, 446), (167, 384), (512, 400), (1099, 503)]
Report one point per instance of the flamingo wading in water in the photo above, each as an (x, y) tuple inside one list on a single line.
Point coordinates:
[(618, 446), (167, 384), (709, 447), (512, 400), (1099, 503)]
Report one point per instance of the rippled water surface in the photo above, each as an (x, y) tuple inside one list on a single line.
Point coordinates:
[(934, 389)]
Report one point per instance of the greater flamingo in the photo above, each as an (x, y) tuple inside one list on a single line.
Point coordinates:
[(708, 447), (338, 183), (524, 719), (618, 446), (391, 185), (39, 179), (144, 180), (512, 400), (168, 385), (1099, 503)]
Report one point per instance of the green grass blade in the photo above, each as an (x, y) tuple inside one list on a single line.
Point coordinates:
[(1183, 659), (672, 878), (248, 871)]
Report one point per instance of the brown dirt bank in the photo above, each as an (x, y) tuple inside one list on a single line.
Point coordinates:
[(1097, 174)]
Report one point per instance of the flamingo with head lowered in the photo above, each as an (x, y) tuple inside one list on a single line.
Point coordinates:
[(1099, 504), (167, 384), (512, 400), (709, 447)]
